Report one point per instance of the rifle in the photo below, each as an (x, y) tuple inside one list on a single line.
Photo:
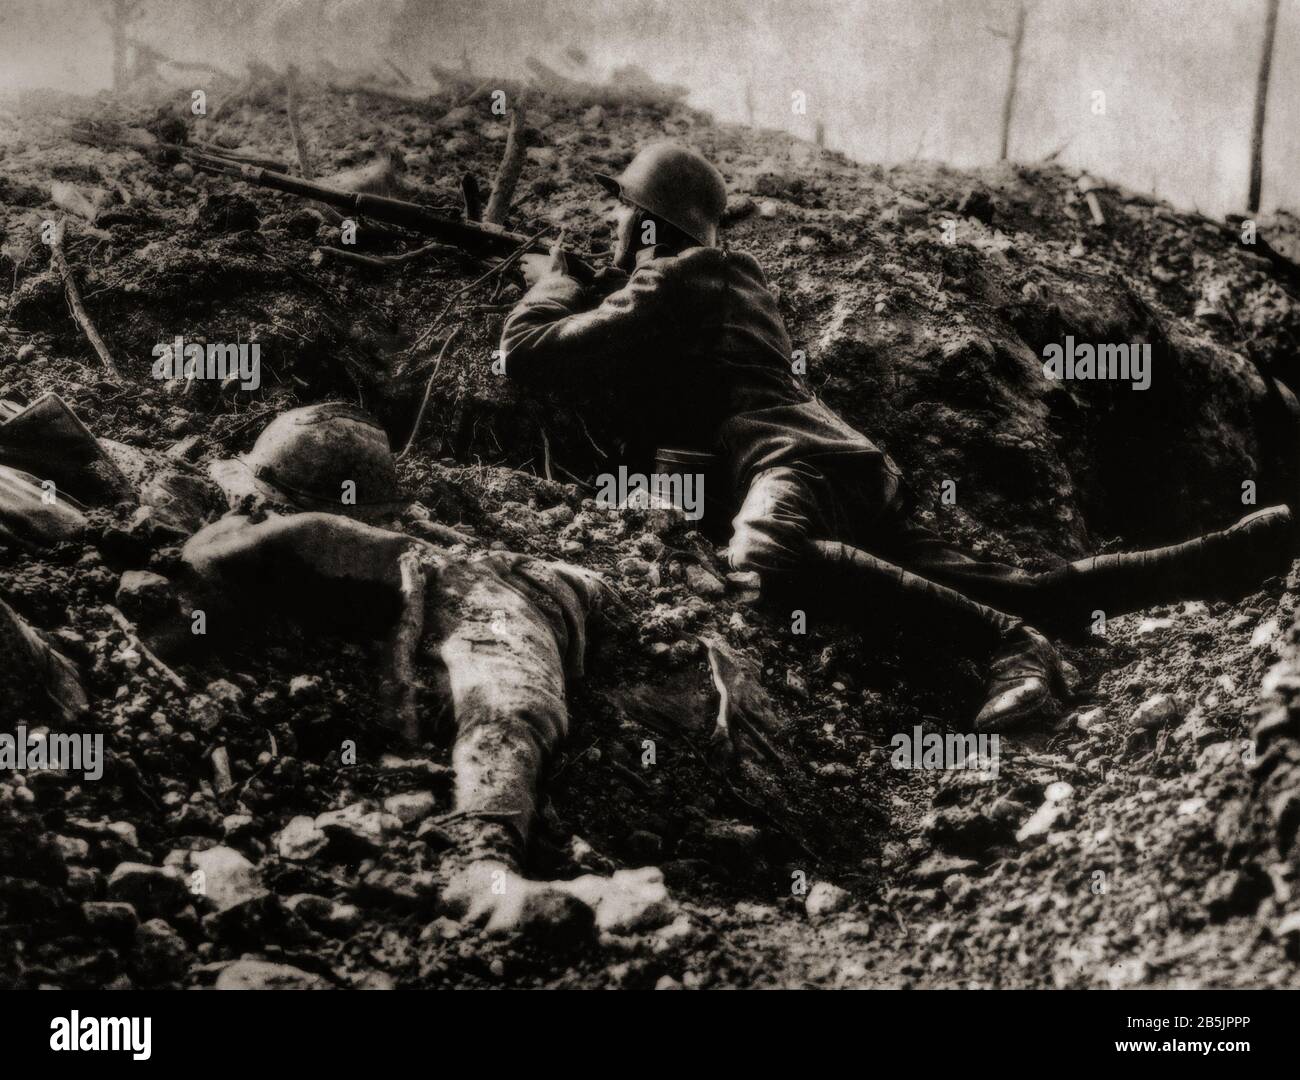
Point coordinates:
[(477, 238)]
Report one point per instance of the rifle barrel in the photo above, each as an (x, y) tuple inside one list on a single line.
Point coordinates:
[(476, 238)]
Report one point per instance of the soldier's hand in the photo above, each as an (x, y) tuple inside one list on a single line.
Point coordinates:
[(609, 279), (536, 267)]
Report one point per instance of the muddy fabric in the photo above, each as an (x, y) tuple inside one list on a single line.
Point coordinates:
[(507, 629), (38, 683), (787, 509), (28, 519), (704, 320), (502, 630)]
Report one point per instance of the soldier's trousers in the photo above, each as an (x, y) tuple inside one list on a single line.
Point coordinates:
[(789, 512)]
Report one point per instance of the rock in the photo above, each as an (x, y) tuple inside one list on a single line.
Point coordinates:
[(161, 954), (1235, 892), (731, 845), (632, 567), (701, 582), (72, 848), (300, 839), (183, 172), (1156, 712), (939, 866), (26, 352), (205, 713), (1048, 818), (357, 827), (594, 117), (1287, 931), (228, 878), (393, 888), (1088, 720), (628, 901), (739, 207), (143, 593), (152, 890), (225, 693), (1058, 791), (557, 922), (412, 806), (109, 919), (328, 916), (263, 975), (825, 899), (304, 689)]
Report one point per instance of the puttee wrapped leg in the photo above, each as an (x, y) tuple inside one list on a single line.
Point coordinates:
[(510, 630)]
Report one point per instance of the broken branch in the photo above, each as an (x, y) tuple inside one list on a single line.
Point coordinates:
[(133, 639), (384, 262), (295, 132), (512, 165), (428, 388), (60, 261)]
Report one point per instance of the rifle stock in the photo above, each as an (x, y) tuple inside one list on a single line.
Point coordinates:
[(473, 237)]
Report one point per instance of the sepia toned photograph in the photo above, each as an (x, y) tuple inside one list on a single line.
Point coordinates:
[(651, 495)]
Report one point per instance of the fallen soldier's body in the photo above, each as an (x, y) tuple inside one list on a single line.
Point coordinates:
[(499, 633), (699, 358)]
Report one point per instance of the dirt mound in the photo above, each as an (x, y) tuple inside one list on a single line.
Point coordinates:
[(923, 299)]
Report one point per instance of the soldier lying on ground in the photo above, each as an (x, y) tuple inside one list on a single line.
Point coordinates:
[(699, 359), (500, 632)]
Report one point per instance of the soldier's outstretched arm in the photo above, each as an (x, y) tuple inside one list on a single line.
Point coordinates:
[(310, 561)]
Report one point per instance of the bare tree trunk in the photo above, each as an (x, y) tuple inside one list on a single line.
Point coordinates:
[(1261, 103), (117, 25), (512, 164), (120, 15), (1013, 78)]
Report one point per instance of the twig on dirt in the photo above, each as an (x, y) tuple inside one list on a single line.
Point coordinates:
[(587, 433), (60, 261), (385, 262), (546, 455), (500, 268), (222, 780), (512, 165), (295, 132), (428, 389), (124, 624)]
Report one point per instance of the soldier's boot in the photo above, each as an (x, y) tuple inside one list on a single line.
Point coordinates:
[(1224, 565), (1026, 671), (1025, 678)]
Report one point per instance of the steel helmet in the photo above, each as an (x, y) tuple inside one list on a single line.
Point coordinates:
[(307, 456), (677, 184)]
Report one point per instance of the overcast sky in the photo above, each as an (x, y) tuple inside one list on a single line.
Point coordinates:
[(889, 79)]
